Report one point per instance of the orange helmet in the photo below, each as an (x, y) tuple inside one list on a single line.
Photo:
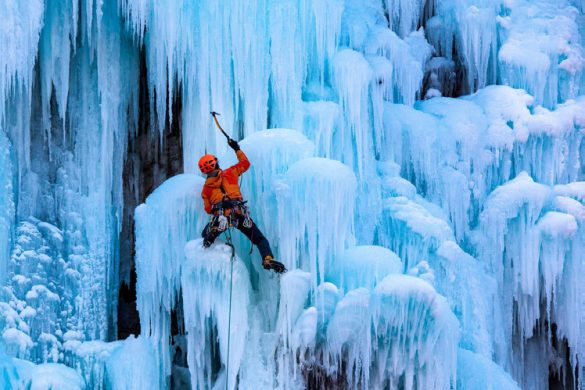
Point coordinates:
[(208, 163)]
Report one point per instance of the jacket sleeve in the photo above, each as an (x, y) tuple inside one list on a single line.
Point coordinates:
[(206, 201), (242, 165)]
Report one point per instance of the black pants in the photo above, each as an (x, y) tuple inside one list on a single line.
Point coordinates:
[(211, 232)]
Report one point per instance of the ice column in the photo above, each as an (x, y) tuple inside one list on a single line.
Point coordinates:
[(315, 213), (509, 217), (6, 205), (475, 371), (217, 56), (271, 152), (407, 57), (327, 16), (349, 338), (294, 294), (19, 37), (322, 121), (415, 336), (133, 365), (171, 216), (207, 277), (416, 230), (352, 75)]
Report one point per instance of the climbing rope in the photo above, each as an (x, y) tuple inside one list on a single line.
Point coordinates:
[(228, 236)]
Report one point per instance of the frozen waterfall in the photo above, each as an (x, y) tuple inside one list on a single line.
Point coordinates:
[(417, 165)]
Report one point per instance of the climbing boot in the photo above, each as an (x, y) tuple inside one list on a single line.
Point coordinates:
[(270, 263)]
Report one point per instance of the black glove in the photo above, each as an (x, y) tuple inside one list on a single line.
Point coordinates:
[(234, 144), (206, 243)]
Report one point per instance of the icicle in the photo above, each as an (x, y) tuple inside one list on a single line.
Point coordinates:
[(540, 51), (294, 292), (271, 153), (381, 89), (327, 32), (315, 232), (171, 216), (404, 16), (205, 284), (352, 75), (349, 338), (6, 205), (411, 323), (322, 121)]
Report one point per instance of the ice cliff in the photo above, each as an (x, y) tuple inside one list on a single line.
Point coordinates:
[(417, 165)]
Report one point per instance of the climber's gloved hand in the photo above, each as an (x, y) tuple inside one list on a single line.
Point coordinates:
[(207, 243), (234, 144)]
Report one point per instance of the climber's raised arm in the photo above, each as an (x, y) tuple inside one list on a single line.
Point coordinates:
[(243, 163)]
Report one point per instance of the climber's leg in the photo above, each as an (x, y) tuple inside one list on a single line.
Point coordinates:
[(210, 232), (255, 235)]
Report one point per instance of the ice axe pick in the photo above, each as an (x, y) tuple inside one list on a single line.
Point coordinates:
[(214, 115)]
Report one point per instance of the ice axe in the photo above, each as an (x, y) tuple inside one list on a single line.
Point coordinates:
[(214, 115)]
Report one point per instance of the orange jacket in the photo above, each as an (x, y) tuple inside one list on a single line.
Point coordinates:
[(225, 185)]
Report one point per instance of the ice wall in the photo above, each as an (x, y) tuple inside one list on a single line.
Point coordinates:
[(537, 276), (18, 374), (7, 202), (271, 153), (171, 216), (209, 281), (314, 233), (394, 193), (67, 103), (374, 338)]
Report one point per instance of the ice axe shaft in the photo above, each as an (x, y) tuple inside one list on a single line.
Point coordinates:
[(214, 115)]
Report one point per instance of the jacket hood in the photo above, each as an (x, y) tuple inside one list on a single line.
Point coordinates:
[(214, 182)]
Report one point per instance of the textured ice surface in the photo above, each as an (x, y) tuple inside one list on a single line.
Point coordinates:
[(363, 266), (315, 232), (541, 50), (429, 202), (206, 279), (6, 203), (477, 372), (271, 152), (20, 374), (411, 323), (171, 216)]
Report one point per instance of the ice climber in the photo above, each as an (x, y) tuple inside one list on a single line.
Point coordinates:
[(223, 199)]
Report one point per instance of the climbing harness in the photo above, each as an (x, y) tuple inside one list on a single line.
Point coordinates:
[(228, 237), (231, 209)]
